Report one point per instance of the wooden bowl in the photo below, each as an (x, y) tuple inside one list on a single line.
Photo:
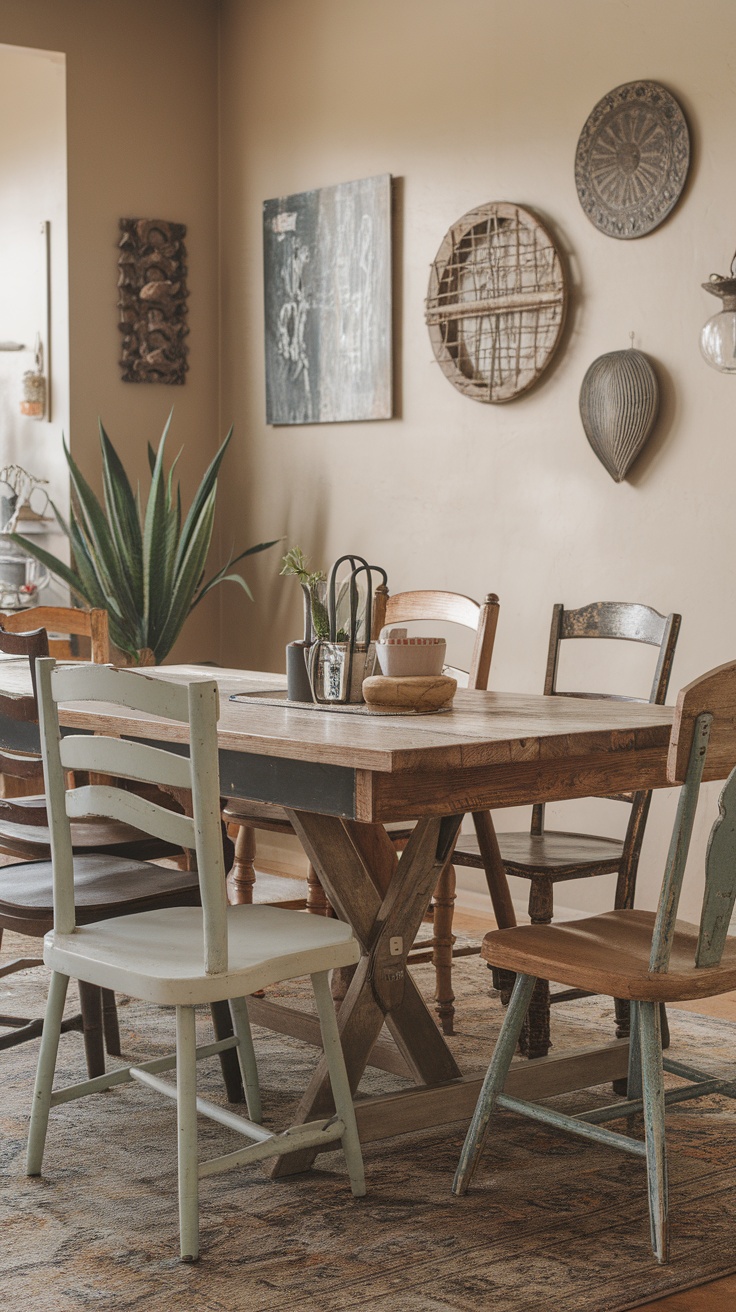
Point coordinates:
[(423, 692)]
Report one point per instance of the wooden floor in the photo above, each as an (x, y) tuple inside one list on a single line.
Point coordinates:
[(720, 1296)]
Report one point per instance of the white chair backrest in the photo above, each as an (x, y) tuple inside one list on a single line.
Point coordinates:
[(196, 704)]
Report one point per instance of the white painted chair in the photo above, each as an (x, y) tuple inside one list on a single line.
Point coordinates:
[(183, 956)]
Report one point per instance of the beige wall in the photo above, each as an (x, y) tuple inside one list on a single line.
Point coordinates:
[(142, 130), (33, 192), (463, 103), (468, 102)]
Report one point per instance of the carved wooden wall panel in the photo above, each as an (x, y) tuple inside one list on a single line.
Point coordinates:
[(153, 301)]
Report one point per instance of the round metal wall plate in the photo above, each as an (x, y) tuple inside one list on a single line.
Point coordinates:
[(632, 159), (496, 302)]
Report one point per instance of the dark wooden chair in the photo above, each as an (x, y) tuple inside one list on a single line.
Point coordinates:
[(402, 608), (646, 957), (548, 857), (113, 875)]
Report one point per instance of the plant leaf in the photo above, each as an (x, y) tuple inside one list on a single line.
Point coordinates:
[(187, 578), (123, 515), (208, 482), (104, 554), (157, 570), (52, 563), (137, 561), (221, 577)]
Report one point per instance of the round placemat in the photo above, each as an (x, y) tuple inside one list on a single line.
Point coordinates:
[(632, 159)]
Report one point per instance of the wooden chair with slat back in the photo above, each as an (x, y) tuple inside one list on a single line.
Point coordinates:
[(649, 958), (214, 953), (548, 857), (113, 876), (69, 621), (23, 824), (402, 608), (430, 607)]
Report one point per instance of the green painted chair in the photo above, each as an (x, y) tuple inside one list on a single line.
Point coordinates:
[(179, 956), (649, 958)]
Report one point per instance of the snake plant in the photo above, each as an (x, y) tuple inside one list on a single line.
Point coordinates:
[(139, 562)]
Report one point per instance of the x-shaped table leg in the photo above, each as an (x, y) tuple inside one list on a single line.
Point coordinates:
[(385, 925)]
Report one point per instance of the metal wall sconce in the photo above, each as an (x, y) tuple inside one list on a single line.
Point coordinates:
[(33, 400), (718, 338)]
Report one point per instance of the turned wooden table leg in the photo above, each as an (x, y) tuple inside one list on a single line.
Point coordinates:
[(443, 941), (242, 877), (317, 900), (535, 1038)]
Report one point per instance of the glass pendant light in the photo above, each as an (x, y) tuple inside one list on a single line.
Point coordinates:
[(718, 338)]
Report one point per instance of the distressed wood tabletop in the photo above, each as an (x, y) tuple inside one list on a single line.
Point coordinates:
[(490, 749)]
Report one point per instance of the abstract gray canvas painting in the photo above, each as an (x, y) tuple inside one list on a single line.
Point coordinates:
[(327, 274)]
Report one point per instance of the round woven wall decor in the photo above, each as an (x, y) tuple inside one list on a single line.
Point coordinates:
[(632, 159), (496, 302)]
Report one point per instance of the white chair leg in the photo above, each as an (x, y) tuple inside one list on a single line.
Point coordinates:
[(654, 1106), (186, 1105), (45, 1072), (247, 1058), (493, 1083), (341, 1092)]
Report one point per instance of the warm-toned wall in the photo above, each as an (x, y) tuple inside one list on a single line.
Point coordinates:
[(468, 102), (142, 131), (33, 193)]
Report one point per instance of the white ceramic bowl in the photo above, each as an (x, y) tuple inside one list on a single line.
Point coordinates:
[(408, 657)]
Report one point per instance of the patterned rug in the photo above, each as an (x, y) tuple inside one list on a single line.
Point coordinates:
[(552, 1223)]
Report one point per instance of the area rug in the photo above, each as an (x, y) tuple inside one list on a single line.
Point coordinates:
[(552, 1222)]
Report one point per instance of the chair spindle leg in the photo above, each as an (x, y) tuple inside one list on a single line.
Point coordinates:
[(443, 939), (664, 1026), (186, 1104), (45, 1072), (339, 1081), (493, 1082), (222, 1024), (247, 1058), (535, 1039), (653, 1090), (633, 1085), (90, 999), (110, 1023)]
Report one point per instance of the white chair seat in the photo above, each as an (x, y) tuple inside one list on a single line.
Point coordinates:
[(157, 955)]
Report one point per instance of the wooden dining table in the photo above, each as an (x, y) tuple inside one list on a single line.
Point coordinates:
[(341, 776)]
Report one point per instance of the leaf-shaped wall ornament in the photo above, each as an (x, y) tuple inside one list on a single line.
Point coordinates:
[(619, 400)]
